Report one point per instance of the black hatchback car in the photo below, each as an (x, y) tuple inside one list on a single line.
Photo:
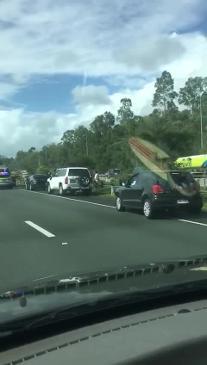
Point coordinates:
[(150, 193), (36, 182)]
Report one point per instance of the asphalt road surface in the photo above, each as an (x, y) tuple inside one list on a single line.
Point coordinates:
[(43, 235)]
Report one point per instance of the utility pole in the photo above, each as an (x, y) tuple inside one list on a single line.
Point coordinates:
[(201, 120), (87, 144)]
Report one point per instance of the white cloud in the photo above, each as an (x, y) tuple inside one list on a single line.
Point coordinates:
[(193, 62), (100, 37), (19, 130), (91, 94), (8, 89), (152, 53)]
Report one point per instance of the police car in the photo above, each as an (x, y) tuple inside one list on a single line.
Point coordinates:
[(6, 180)]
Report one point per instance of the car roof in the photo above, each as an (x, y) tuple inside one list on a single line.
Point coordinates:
[(72, 167), (38, 175)]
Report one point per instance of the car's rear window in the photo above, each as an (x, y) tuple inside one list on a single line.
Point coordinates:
[(182, 177), (150, 178), (60, 172), (4, 172), (78, 172), (40, 177)]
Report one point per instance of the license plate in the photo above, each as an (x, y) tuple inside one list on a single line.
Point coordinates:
[(183, 201)]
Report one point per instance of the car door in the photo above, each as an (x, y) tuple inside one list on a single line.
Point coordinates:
[(54, 181), (132, 193)]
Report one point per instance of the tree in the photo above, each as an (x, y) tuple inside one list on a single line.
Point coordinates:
[(125, 113), (68, 136), (103, 124), (81, 144), (164, 96), (101, 137), (97, 126), (190, 94), (179, 139), (108, 119), (32, 149)]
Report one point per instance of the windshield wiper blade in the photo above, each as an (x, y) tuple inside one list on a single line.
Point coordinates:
[(97, 278)]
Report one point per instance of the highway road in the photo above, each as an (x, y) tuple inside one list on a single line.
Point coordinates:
[(45, 235)]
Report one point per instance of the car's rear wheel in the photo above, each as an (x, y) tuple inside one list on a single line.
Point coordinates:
[(61, 190), (147, 209), (119, 204), (49, 190)]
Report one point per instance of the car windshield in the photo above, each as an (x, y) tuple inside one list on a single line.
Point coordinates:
[(103, 153)]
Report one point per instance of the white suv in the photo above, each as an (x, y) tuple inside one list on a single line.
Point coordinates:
[(71, 180)]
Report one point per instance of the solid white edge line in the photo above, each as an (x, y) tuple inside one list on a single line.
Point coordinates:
[(40, 229), (75, 200), (193, 222), (102, 205)]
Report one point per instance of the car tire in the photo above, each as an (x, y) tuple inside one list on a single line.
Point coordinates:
[(60, 190), (147, 209), (119, 204), (49, 190)]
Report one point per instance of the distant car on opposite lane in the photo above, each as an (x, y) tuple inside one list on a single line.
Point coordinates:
[(36, 182), (6, 180)]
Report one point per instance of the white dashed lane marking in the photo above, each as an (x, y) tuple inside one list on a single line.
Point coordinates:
[(40, 229), (72, 199)]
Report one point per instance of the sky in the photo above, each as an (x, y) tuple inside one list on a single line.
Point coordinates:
[(64, 62)]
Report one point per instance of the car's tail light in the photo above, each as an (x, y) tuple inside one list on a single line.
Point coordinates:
[(66, 180), (157, 189)]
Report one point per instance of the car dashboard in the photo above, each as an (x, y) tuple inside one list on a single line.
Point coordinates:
[(171, 335)]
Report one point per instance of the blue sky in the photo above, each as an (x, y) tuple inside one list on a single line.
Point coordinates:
[(64, 62), (44, 93)]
